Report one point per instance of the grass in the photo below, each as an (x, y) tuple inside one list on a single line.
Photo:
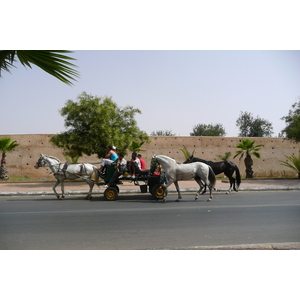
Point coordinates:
[(26, 179), (33, 179)]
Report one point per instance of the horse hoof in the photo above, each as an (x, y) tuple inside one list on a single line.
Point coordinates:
[(177, 200), (208, 200)]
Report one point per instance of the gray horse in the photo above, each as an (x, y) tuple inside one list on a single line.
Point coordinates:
[(202, 173), (63, 171)]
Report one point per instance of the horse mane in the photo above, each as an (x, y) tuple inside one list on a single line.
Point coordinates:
[(202, 160), (170, 159), (50, 156)]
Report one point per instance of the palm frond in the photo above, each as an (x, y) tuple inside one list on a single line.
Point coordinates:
[(186, 152), (240, 152), (6, 60), (55, 62), (256, 154), (257, 147), (7, 144), (294, 163)]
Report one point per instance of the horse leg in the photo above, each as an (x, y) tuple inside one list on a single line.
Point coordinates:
[(166, 187), (198, 180), (89, 195), (230, 188), (234, 188), (204, 191), (54, 186), (231, 180), (210, 193), (178, 191), (206, 181), (62, 186)]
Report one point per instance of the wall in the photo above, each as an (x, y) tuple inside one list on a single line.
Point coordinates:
[(21, 162)]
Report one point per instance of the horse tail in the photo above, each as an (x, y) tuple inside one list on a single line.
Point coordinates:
[(212, 177), (238, 176)]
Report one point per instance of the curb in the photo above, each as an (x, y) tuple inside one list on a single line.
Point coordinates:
[(275, 246), (137, 191)]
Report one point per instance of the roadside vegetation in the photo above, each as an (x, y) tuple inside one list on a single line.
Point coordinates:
[(248, 148), (293, 163), (6, 145)]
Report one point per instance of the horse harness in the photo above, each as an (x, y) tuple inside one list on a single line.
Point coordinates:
[(65, 167)]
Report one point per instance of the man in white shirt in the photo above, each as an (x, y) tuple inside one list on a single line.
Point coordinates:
[(133, 166)]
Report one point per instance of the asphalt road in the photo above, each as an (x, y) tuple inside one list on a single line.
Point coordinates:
[(139, 222)]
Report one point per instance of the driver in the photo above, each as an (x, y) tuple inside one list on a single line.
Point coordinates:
[(110, 157)]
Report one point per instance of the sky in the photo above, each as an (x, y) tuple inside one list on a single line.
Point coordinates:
[(180, 63), (174, 89)]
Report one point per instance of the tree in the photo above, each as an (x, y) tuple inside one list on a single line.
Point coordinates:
[(247, 148), (94, 123), (56, 63), (208, 130), (294, 163), (6, 145), (253, 127), (163, 133), (292, 120)]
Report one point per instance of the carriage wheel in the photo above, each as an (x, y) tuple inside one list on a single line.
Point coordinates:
[(111, 193), (158, 191)]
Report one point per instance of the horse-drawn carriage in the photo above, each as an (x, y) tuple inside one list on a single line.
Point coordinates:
[(89, 173), (201, 172), (112, 176)]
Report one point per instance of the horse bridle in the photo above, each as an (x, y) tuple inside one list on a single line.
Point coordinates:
[(40, 163), (189, 160)]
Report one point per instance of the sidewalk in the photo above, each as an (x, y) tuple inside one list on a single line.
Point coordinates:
[(77, 188)]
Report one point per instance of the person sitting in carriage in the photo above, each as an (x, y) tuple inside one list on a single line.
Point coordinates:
[(122, 164), (121, 169), (143, 163), (110, 157), (133, 166)]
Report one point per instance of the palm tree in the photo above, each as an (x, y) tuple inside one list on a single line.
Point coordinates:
[(187, 153), (225, 156), (6, 145), (136, 146), (294, 165), (247, 148), (56, 63)]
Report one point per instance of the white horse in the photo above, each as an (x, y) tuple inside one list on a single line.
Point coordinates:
[(63, 171), (175, 171)]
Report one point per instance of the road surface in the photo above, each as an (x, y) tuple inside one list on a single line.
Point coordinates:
[(139, 222)]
